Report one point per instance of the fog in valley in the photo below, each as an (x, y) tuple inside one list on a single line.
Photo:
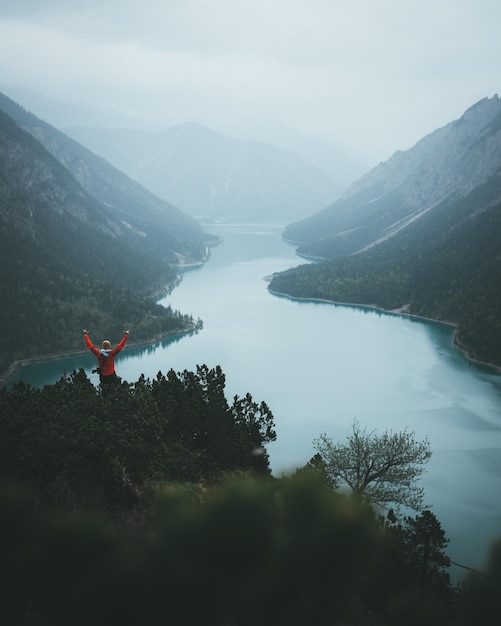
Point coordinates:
[(363, 78)]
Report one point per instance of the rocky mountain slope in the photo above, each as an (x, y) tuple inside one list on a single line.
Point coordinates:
[(211, 175), (445, 165)]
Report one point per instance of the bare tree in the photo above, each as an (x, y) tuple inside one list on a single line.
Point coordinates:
[(381, 469)]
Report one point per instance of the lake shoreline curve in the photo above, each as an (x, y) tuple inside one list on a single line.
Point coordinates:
[(402, 311)]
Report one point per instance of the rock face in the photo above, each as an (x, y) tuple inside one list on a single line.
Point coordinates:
[(452, 160), (446, 164)]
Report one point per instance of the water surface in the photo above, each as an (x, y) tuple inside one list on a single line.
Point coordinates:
[(320, 366)]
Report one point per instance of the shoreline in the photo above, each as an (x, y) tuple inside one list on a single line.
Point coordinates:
[(402, 311), (17, 365)]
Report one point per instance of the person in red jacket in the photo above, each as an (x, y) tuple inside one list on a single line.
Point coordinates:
[(106, 357)]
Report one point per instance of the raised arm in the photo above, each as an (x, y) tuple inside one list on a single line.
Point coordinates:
[(89, 343), (122, 343)]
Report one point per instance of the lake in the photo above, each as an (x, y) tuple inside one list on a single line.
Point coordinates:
[(319, 366)]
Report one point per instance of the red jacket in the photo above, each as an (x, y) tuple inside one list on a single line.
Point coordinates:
[(106, 358)]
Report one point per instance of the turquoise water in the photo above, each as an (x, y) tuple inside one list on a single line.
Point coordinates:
[(320, 366)]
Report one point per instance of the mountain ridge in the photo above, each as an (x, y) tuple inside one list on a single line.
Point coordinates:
[(449, 162)]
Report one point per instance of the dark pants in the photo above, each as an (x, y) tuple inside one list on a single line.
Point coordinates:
[(106, 381)]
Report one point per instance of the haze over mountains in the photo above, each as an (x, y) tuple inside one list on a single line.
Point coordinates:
[(80, 243), (420, 232), (211, 175), (132, 209), (61, 114), (258, 170), (445, 165)]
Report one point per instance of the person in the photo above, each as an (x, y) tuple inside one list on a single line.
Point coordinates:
[(106, 358)]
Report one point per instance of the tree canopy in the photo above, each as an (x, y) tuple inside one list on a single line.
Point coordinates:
[(380, 469), (85, 449)]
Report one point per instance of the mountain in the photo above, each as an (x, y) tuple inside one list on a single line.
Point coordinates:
[(211, 175), (447, 164), (324, 153), (135, 213), (80, 244), (442, 258)]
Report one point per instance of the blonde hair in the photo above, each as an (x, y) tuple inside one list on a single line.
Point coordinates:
[(106, 345)]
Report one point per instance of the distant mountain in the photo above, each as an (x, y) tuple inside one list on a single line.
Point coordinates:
[(326, 154), (447, 164), (80, 244), (209, 174), (425, 239)]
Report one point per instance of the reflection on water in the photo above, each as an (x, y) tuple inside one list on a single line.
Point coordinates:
[(320, 366)]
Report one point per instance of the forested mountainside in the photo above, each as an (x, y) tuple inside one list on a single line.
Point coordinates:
[(133, 212), (445, 165), (74, 255), (446, 265), (209, 174)]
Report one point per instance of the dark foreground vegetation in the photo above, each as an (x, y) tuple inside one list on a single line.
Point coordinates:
[(154, 503), (87, 449)]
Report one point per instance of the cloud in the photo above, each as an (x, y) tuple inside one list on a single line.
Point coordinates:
[(378, 74)]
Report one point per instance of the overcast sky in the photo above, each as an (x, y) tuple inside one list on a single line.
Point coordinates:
[(376, 74)]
